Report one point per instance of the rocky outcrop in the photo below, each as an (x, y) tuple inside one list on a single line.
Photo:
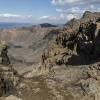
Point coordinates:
[(90, 15), (74, 23), (87, 16), (9, 78), (73, 46), (4, 60)]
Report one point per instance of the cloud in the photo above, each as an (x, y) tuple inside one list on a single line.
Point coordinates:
[(74, 2), (70, 16), (60, 10), (15, 16), (43, 17), (10, 15), (55, 18), (76, 12), (72, 10)]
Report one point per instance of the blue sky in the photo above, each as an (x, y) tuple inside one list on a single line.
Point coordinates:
[(41, 11)]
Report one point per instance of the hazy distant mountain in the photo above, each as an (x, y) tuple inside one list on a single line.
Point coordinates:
[(47, 25)]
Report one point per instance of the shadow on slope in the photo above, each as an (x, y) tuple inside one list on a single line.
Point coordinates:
[(82, 60)]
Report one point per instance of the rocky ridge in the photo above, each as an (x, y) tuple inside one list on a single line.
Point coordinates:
[(76, 51), (70, 66)]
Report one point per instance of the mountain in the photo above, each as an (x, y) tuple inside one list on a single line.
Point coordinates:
[(91, 16), (74, 23), (47, 25), (55, 63), (9, 77), (70, 65)]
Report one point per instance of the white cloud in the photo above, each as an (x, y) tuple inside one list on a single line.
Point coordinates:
[(75, 12), (72, 10), (60, 10), (72, 2), (43, 17), (62, 2), (62, 16), (15, 16), (10, 15), (70, 16)]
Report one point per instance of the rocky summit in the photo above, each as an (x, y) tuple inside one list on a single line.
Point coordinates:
[(54, 63)]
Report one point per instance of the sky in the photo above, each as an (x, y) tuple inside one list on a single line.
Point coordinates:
[(45, 11)]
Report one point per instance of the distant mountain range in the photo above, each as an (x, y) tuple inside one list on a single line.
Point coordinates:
[(12, 25)]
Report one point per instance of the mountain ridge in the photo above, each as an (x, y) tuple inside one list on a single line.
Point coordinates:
[(68, 58)]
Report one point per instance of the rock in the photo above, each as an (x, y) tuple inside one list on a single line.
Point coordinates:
[(74, 23), (3, 54), (90, 86), (12, 97), (9, 78), (89, 15)]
